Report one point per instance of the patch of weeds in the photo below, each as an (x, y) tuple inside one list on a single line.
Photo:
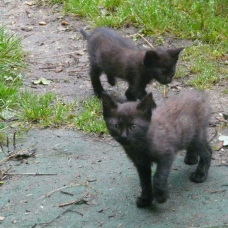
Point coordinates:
[(11, 64), (90, 119), (44, 109), (205, 75), (185, 19)]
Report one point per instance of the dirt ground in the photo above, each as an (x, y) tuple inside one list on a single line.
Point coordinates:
[(85, 181)]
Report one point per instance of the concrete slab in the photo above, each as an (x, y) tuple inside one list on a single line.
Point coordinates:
[(103, 183)]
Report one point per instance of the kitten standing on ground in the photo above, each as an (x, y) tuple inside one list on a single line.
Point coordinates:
[(116, 56), (154, 136)]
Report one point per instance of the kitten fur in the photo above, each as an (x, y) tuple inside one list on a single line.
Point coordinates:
[(116, 56), (154, 136)]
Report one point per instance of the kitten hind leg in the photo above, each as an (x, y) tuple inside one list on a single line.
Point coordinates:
[(111, 80), (191, 158), (95, 73), (205, 152)]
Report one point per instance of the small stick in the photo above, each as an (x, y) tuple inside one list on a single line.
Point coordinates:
[(50, 56), (79, 201), (7, 143), (67, 193), (145, 40), (14, 140), (217, 191), (32, 174)]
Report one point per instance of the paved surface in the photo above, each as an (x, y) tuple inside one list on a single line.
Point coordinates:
[(103, 183)]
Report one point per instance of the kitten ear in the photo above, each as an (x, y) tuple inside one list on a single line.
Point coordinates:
[(108, 104), (175, 52), (150, 57), (146, 105)]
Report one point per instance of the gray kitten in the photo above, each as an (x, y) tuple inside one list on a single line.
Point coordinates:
[(119, 57), (155, 135)]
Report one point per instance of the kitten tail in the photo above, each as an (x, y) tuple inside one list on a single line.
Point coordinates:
[(85, 35)]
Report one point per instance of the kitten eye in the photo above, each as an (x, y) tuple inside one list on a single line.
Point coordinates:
[(133, 127), (115, 126)]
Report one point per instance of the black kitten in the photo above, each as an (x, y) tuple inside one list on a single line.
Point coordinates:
[(119, 57), (154, 136)]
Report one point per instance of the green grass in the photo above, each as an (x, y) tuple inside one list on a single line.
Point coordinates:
[(204, 21), (11, 65), (90, 119), (45, 109)]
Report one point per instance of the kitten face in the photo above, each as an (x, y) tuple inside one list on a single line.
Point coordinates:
[(162, 63), (127, 123)]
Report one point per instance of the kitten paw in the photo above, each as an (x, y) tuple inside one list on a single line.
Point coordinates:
[(143, 202), (198, 177), (161, 196), (191, 160)]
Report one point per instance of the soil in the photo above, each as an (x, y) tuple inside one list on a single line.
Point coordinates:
[(92, 174)]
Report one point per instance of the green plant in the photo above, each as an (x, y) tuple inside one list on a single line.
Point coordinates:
[(90, 119), (44, 109)]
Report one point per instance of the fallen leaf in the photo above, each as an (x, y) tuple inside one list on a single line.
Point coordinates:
[(64, 23), (42, 81), (219, 145), (42, 23), (57, 70), (29, 3), (224, 138)]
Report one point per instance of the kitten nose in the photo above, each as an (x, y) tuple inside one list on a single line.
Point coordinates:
[(124, 134)]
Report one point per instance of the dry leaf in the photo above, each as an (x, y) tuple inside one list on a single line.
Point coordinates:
[(42, 23), (29, 3), (57, 70), (64, 23)]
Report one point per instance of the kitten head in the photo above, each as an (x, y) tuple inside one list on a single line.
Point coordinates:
[(127, 123), (161, 63)]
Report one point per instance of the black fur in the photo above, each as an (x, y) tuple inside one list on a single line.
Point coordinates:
[(116, 56), (154, 136)]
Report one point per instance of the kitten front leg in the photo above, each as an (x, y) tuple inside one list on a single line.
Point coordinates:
[(95, 73), (144, 171), (160, 179)]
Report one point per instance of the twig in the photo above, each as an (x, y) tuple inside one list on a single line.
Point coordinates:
[(138, 34), (14, 140), (145, 40), (72, 185), (32, 174), (67, 193), (7, 158), (7, 143), (217, 191), (50, 56), (216, 132), (79, 201)]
